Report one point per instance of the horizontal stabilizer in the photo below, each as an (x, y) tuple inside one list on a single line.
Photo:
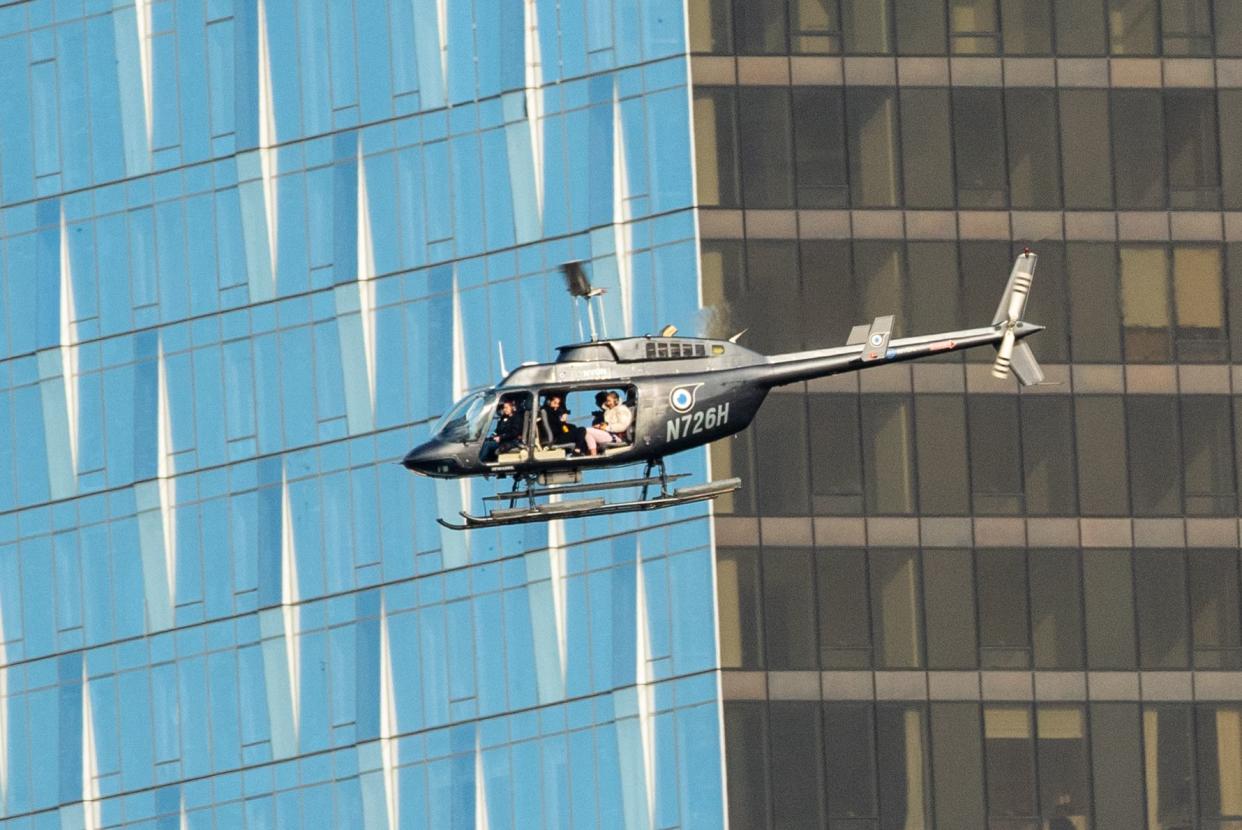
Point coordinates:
[(1025, 366)]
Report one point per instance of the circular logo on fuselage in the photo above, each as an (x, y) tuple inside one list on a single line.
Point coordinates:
[(682, 397)]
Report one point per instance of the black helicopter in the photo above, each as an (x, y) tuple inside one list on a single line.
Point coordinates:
[(681, 392)]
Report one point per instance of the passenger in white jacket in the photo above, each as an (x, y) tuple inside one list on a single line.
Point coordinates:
[(617, 419)]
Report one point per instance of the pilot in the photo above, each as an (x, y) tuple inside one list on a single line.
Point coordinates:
[(611, 428), (507, 436), (563, 432)]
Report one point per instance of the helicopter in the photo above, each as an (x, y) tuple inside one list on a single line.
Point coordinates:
[(681, 393)]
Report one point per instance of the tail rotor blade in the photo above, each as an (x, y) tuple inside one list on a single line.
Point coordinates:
[(1004, 355)]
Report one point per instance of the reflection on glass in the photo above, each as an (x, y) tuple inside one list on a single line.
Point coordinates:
[(796, 767), (1109, 598), (836, 464), (715, 116), (1167, 767), (957, 756), (940, 433), (866, 26), (927, 150), (887, 453), (1056, 609), (904, 768), (873, 149), (789, 609), (995, 455), (1085, 156), (1207, 459), (1186, 26), (1155, 451), (895, 611), (1048, 456), (711, 26), (746, 760), (1220, 763), (920, 27), (815, 26), (1138, 148), (1117, 765), (740, 609), (1080, 27), (1190, 132), (1215, 609), (761, 26), (979, 144), (1132, 27), (822, 175), (1032, 134), (765, 146)]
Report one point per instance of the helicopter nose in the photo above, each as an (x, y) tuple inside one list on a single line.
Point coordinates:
[(423, 459)]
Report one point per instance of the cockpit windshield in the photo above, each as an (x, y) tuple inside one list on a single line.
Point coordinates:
[(466, 421)]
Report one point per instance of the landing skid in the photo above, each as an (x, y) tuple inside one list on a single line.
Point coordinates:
[(547, 511)]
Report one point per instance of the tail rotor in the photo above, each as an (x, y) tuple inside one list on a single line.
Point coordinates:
[(1010, 354)]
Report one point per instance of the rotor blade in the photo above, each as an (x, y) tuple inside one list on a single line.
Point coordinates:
[(1004, 354)]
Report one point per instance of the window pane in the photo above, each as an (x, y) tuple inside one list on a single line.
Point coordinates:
[(957, 759), (782, 456), (765, 143), (871, 122), (904, 769), (948, 589), (1215, 606), (1220, 761), (822, 177), (1207, 457), (844, 610), (1109, 598), (878, 278), (1032, 128), (995, 454), (1160, 586), (1186, 26), (979, 144), (1194, 171), (866, 26), (887, 450), (1198, 293), (920, 27), (1086, 169), (1138, 148), (1009, 750), (1233, 259), (711, 26), (1102, 475), (1064, 788), (1056, 608), (850, 753), (1132, 27), (940, 430), (1116, 755), (927, 158), (1080, 27), (973, 27), (1228, 28), (1166, 763), (836, 466), (1229, 102), (1151, 430), (1048, 455), (789, 609), (895, 612), (797, 770), (1145, 303), (1095, 321), (761, 26), (1003, 638), (1026, 27), (741, 622), (715, 117), (816, 27), (772, 293), (746, 756), (935, 288)]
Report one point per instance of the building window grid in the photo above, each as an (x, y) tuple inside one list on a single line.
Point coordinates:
[(1175, 28), (1200, 802), (887, 602), (1203, 188)]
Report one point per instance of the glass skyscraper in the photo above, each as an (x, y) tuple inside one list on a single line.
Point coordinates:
[(250, 249)]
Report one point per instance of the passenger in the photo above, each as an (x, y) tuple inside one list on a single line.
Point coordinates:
[(563, 432), (507, 436), (611, 428)]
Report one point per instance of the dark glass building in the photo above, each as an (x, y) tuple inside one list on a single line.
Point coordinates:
[(942, 602)]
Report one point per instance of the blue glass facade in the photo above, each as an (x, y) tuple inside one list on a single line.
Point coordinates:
[(248, 251)]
